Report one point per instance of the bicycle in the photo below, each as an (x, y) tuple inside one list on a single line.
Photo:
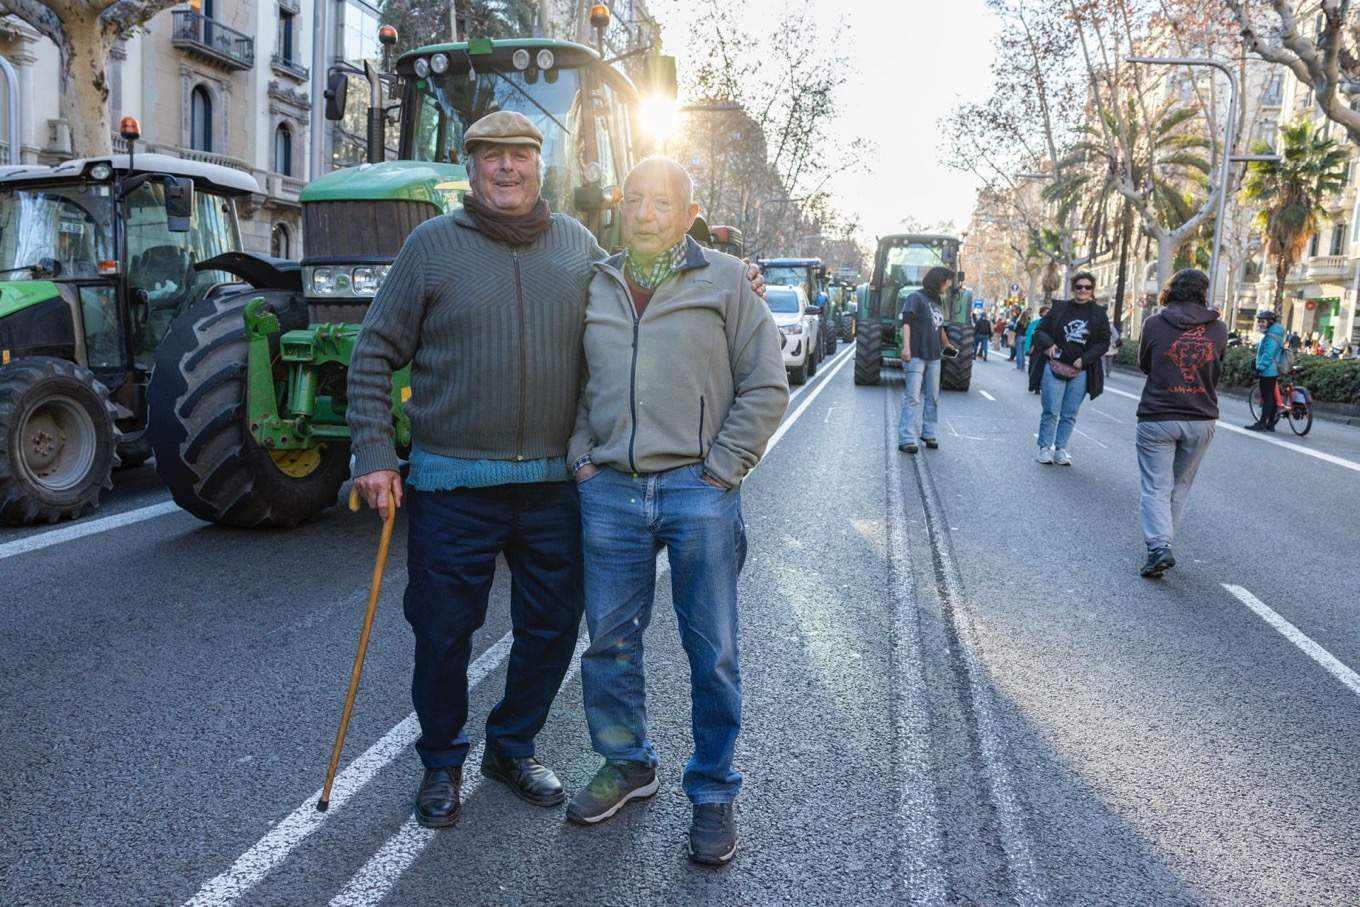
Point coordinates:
[(1299, 410)]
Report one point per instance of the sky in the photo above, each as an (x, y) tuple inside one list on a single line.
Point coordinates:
[(915, 60)]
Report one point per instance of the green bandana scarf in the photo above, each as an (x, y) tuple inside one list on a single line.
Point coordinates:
[(663, 266)]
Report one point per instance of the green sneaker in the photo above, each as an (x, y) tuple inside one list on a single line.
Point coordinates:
[(613, 785)]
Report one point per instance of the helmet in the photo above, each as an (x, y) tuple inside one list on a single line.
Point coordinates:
[(1267, 316)]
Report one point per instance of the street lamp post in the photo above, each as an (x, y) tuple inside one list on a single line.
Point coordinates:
[(1224, 157)]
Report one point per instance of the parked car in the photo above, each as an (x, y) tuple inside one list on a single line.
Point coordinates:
[(798, 337)]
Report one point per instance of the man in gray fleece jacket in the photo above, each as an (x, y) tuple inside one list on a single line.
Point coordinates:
[(685, 386)]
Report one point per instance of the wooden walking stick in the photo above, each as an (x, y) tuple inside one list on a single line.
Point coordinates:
[(374, 588)]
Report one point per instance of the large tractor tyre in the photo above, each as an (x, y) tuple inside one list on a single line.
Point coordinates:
[(197, 417), (868, 353), (832, 341), (957, 374), (58, 441)]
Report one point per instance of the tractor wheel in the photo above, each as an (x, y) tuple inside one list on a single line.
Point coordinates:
[(58, 441), (957, 374), (868, 353), (814, 359), (197, 416)]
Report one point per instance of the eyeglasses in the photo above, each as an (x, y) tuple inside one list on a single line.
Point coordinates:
[(1083, 286)]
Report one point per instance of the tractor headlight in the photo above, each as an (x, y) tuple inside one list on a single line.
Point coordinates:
[(323, 282), (101, 172), (422, 68), (439, 63), (368, 279), (520, 59), (545, 59)]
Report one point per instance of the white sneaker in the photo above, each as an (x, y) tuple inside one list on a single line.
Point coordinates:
[(1045, 455), (1062, 457)]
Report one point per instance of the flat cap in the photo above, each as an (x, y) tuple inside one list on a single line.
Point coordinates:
[(504, 127)]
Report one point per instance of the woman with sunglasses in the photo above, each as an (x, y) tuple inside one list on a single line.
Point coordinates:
[(1070, 340)]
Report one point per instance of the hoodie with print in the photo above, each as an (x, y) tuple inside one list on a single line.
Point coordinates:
[(1181, 351)]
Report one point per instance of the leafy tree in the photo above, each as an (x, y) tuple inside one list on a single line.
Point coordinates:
[(1291, 191), (84, 32)]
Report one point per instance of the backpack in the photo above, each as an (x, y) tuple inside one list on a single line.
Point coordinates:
[(1284, 361)]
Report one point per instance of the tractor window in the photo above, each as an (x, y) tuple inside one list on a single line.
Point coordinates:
[(99, 312), (72, 224), (446, 105)]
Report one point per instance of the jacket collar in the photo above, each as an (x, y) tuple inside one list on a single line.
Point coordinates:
[(695, 258)]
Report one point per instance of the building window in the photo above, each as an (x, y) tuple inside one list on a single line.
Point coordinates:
[(1338, 239), (1274, 88), (278, 241), (283, 150), (1313, 245), (286, 35), (200, 120)]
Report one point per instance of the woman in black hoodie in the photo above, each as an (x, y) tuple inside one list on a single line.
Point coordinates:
[(1181, 351), (1065, 365)]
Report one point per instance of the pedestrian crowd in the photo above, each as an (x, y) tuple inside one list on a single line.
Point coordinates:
[(1068, 351)]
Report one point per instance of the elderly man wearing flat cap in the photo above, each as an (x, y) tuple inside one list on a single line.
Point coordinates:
[(487, 306)]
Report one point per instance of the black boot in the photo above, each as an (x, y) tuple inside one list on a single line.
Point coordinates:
[(530, 780), (438, 801)]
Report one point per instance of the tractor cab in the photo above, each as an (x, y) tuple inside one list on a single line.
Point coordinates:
[(97, 257)]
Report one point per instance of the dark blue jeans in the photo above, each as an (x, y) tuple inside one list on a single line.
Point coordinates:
[(627, 520), (452, 545)]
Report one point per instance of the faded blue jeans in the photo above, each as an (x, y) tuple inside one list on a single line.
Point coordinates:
[(920, 401), (626, 520), (1061, 400)]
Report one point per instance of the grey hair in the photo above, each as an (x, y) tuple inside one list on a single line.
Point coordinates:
[(469, 163), (681, 181)]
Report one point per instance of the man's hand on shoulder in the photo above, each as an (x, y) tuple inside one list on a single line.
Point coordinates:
[(755, 277)]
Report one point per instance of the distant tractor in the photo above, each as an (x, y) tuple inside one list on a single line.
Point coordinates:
[(811, 275), (97, 257), (248, 398), (900, 265), (719, 236)]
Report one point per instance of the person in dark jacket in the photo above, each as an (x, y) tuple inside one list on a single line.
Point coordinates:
[(1181, 352), (1065, 365), (982, 334), (924, 341)]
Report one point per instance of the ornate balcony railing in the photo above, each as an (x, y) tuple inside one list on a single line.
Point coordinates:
[(1329, 267), (288, 66), (212, 41)]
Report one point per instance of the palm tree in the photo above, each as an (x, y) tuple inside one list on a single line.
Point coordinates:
[(1311, 167), (1165, 159)]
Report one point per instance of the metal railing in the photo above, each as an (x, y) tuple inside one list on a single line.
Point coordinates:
[(292, 67), (196, 32)]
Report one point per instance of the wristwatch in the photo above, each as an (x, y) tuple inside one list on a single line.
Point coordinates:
[(581, 461)]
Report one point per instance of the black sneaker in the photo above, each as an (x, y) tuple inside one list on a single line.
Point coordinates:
[(613, 785), (1256, 426), (908, 448), (931, 443), (713, 834), (1159, 560)]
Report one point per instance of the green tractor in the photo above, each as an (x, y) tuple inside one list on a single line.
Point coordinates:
[(97, 257), (900, 264), (248, 397)]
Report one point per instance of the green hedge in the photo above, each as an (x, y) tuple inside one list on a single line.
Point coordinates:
[(1330, 380)]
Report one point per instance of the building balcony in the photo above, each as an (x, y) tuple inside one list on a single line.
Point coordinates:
[(284, 188), (211, 41), (1330, 268), (188, 154), (288, 67)]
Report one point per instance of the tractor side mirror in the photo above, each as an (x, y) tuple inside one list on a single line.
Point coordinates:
[(959, 278), (336, 94), (179, 203)]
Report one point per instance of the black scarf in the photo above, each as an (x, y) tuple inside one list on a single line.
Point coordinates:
[(513, 231)]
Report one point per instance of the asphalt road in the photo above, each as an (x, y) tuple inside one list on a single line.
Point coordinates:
[(958, 690)]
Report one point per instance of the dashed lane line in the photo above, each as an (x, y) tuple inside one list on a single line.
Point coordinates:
[(377, 877), (987, 395), (1327, 660), (274, 848), (1257, 436), (80, 530)]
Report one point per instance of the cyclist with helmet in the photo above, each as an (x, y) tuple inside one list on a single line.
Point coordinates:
[(1268, 367)]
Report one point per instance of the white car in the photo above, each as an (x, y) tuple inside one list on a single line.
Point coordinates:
[(797, 331)]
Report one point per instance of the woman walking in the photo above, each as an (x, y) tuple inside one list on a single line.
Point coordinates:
[(923, 342), (1021, 339), (1069, 340), (1181, 352)]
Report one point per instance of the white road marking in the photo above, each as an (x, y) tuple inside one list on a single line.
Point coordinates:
[(1089, 438), (1292, 633), (987, 395), (282, 839), (80, 530), (802, 407), (375, 879), (1107, 415), (1258, 436), (952, 430)]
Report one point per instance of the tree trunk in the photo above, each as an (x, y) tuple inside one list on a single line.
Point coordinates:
[(1125, 237), (87, 91), (1281, 269), (1166, 257)]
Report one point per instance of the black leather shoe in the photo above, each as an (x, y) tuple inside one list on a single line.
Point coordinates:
[(931, 443), (530, 780), (438, 802)]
